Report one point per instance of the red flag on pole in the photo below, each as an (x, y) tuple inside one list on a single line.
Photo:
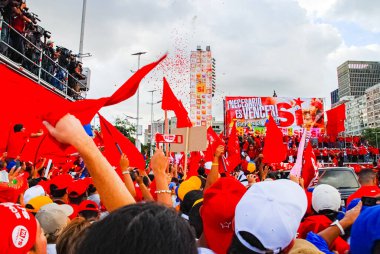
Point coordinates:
[(310, 168), (170, 102), (233, 149), (274, 150), (335, 120), (113, 140)]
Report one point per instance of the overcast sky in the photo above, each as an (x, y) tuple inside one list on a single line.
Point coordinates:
[(291, 46)]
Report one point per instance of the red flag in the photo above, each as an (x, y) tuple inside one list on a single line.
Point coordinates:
[(195, 158), (274, 150), (183, 119), (86, 109), (335, 120), (170, 102), (213, 142), (113, 139), (233, 149), (233, 141), (310, 168)]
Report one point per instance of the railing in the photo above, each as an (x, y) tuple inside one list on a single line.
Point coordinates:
[(30, 60)]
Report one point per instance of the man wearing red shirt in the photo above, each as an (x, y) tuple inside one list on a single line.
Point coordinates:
[(369, 185)]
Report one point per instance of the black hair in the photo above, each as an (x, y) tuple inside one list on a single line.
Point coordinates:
[(140, 228), (18, 127), (237, 247), (201, 171), (91, 189), (146, 181), (189, 199), (195, 219), (55, 192), (366, 176), (89, 214), (76, 199)]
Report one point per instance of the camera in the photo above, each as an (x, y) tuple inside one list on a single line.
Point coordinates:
[(370, 201)]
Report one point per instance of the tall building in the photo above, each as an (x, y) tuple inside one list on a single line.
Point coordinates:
[(158, 126), (356, 114), (202, 86), (373, 106), (354, 77), (334, 96)]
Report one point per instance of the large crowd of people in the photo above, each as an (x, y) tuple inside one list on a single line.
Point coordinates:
[(30, 45), (89, 208)]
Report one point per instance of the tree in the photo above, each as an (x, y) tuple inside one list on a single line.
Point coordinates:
[(370, 134), (126, 128)]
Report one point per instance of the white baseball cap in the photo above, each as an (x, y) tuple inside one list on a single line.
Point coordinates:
[(271, 211), (33, 192), (325, 197)]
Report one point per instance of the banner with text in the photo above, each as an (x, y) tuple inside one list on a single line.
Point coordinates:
[(290, 114)]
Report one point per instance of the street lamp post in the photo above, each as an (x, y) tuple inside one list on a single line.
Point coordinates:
[(138, 54), (151, 121)]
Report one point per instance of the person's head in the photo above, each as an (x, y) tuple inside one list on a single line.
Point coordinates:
[(20, 232), (89, 210), (267, 217), (18, 127), (365, 234), (367, 177), (218, 212), (143, 228), (36, 203), (59, 185), (72, 235), (33, 192), (53, 219), (326, 200), (77, 192)]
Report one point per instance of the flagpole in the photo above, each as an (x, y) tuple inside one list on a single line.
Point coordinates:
[(186, 151), (166, 132)]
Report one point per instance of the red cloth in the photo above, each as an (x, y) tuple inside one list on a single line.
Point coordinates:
[(194, 160), (274, 151), (113, 137), (310, 168), (213, 142), (233, 149), (335, 120), (316, 224), (364, 191), (170, 102)]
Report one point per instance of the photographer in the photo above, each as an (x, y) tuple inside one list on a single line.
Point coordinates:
[(6, 13), (75, 70), (18, 22)]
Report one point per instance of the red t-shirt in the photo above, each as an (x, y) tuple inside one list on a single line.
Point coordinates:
[(364, 191), (16, 142), (316, 224)]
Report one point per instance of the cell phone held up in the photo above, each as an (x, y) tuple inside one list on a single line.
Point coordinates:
[(370, 201)]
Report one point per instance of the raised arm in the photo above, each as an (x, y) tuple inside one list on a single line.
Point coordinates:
[(213, 176), (126, 171), (112, 191), (159, 163)]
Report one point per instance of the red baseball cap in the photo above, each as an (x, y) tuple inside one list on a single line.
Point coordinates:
[(62, 181), (218, 212), (77, 188), (88, 205), (18, 229)]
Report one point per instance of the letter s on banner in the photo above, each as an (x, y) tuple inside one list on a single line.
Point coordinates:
[(284, 114)]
